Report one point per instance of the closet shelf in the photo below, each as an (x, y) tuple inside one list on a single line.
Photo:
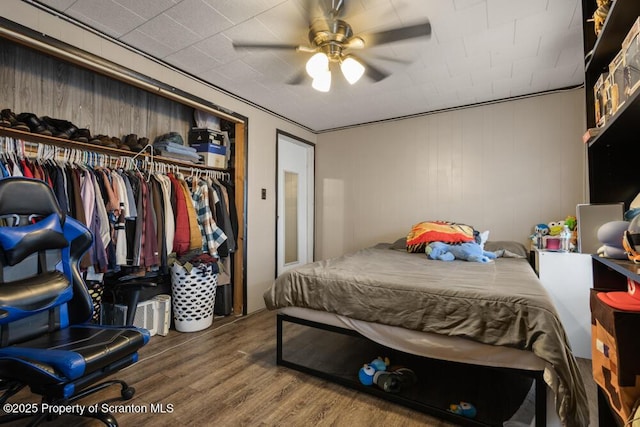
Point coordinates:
[(66, 143)]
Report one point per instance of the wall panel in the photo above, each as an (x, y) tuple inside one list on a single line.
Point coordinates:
[(502, 167), (36, 83)]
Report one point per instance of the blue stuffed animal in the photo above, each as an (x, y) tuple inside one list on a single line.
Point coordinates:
[(465, 409), (392, 381), (367, 372), (468, 251)]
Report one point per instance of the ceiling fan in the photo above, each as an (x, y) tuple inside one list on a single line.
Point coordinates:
[(332, 41)]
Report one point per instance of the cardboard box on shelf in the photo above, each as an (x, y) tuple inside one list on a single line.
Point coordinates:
[(199, 135), (214, 155)]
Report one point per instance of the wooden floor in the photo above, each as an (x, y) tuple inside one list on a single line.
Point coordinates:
[(227, 376)]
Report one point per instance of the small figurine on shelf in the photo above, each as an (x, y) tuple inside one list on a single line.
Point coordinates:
[(600, 15), (556, 235), (556, 227), (537, 238), (572, 222)]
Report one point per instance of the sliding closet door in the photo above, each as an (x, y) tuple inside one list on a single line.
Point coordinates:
[(295, 186)]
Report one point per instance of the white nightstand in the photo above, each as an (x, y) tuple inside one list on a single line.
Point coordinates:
[(567, 277)]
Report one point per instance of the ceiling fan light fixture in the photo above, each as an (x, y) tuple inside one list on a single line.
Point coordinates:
[(352, 69), (356, 43), (322, 82), (317, 65)]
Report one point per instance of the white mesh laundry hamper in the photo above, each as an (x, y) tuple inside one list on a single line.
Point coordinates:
[(194, 295)]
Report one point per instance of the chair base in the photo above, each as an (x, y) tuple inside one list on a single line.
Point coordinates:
[(34, 410)]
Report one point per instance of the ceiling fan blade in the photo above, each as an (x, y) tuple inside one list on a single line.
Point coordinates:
[(372, 72), (390, 59), (422, 29), (298, 78)]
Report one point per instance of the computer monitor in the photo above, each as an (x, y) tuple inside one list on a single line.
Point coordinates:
[(590, 217)]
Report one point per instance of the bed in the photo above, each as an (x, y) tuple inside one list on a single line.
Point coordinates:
[(495, 314)]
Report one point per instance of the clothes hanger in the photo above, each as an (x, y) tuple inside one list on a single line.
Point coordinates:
[(148, 167)]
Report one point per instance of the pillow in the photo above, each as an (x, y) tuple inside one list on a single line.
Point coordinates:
[(400, 244), (507, 249), (426, 232)]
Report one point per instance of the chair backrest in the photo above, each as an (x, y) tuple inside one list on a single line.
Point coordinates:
[(41, 286)]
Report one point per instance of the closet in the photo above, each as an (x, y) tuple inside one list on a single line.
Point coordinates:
[(49, 78)]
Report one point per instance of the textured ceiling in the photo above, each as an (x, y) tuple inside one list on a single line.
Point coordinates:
[(479, 51)]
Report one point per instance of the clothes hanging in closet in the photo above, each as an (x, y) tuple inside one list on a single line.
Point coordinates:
[(138, 219)]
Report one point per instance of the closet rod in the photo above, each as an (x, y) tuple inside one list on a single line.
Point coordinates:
[(50, 140), (44, 151)]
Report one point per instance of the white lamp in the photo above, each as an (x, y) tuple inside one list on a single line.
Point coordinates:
[(351, 69), (322, 81), (317, 64)]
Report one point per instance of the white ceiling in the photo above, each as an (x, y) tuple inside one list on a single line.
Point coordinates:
[(479, 51)]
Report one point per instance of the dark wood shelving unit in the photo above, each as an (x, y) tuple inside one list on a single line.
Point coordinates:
[(613, 178)]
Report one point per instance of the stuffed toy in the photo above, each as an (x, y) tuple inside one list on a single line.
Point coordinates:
[(465, 409), (555, 228), (542, 229), (539, 231), (469, 251), (610, 234), (572, 222), (368, 371), (390, 380)]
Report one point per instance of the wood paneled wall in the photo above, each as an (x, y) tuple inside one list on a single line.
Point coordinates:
[(36, 83), (501, 167)]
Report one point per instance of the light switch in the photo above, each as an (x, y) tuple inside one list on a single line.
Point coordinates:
[(264, 194)]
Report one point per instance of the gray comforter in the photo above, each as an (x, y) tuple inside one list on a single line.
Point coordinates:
[(500, 303)]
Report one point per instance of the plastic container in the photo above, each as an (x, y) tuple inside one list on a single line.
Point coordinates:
[(565, 239), (617, 85), (601, 100), (631, 53)]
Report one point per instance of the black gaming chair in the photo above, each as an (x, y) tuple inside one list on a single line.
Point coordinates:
[(45, 340)]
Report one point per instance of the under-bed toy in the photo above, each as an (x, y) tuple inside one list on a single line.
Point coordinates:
[(391, 381), (465, 409), (368, 371)]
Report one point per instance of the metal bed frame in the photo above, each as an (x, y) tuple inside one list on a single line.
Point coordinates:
[(353, 383)]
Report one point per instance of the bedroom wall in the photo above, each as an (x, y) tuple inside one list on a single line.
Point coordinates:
[(502, 167), (261, 143)]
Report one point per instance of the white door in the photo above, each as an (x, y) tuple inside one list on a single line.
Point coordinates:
[(295, 186)]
